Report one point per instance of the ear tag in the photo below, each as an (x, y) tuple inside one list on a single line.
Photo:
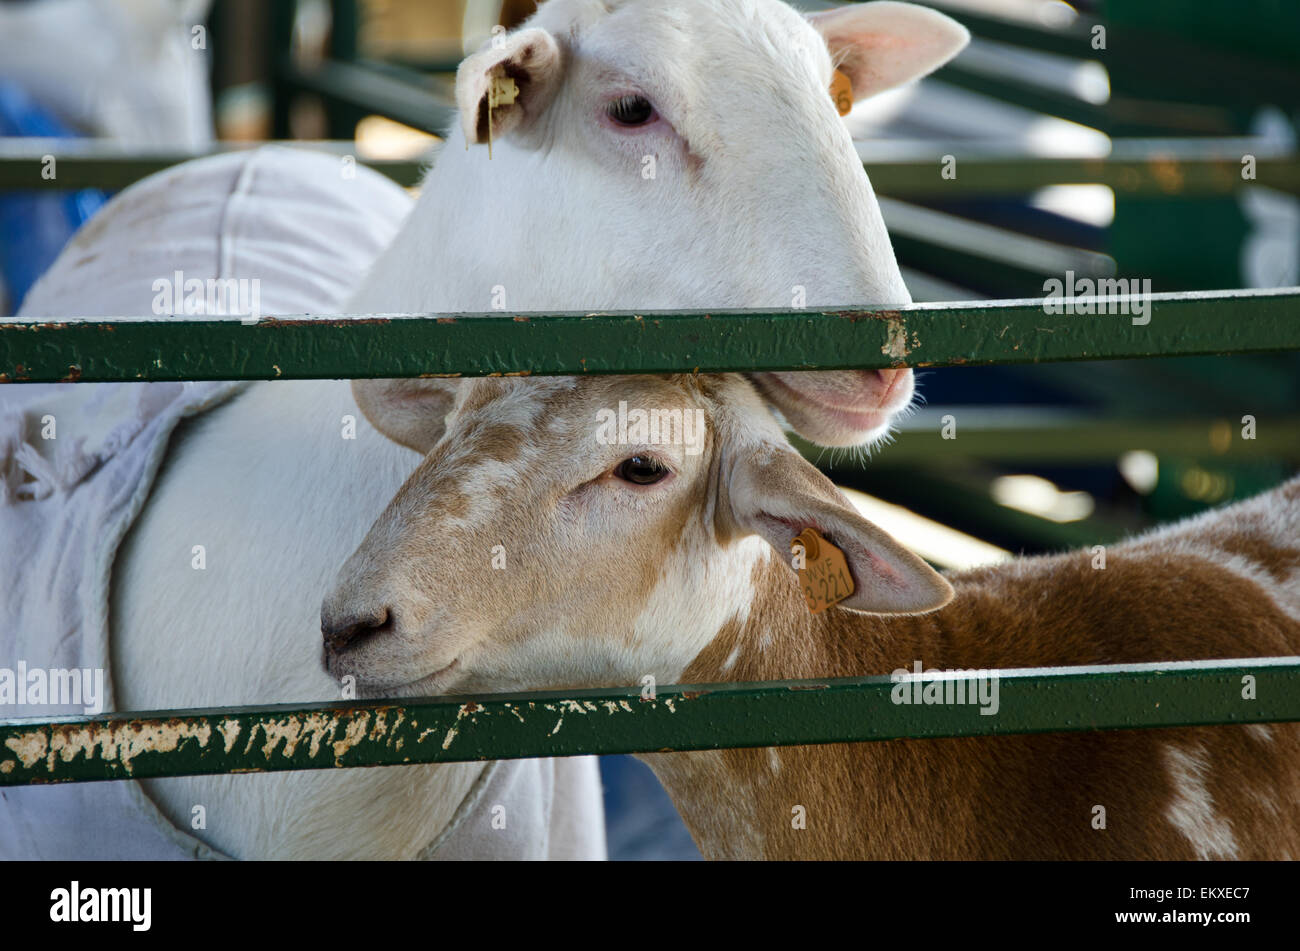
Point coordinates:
[(842, 92), (502, 91), (824, 577)]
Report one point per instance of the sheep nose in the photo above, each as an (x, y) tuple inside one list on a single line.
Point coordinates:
[(340, 631)]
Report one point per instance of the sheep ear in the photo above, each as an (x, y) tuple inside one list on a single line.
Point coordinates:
[(412, 413), (774, 492), (507, 84), (885, 44)]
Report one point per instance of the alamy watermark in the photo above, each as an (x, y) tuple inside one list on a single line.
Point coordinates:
[(654, 427), (54, 686), (240, 296), (945, 687), (1104, 295), (76, 903)]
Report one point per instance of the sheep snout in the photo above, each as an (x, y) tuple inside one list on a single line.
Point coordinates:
[(341, 631)]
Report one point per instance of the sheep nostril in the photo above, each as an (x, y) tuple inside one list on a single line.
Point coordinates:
[(340, 633)]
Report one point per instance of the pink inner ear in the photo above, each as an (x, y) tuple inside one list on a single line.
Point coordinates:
[(891, 45), (869, 42), (861, 54), (883, 570)]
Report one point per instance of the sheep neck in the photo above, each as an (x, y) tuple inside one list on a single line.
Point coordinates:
[(740, 803)]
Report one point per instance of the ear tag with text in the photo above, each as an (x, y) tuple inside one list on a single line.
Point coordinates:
[(824, 575), (502, 91), (842, 92)]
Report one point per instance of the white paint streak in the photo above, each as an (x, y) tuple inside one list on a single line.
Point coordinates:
[(354, 734), (896, 345)]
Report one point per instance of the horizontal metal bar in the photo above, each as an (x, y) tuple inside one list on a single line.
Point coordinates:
[(998, 261), (1133, 166), (573, 723), (959, 496), (905, 168), (330, 347), (1072, 38), (1023, 91), (94, 163), (375, 90), (1058, 436)]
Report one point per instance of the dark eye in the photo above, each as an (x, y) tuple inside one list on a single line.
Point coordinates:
[(631, 110), (641, 470)]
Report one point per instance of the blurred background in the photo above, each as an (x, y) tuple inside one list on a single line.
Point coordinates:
[(1143, 139)]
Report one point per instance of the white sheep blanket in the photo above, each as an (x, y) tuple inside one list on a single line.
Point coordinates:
[(279, 214)]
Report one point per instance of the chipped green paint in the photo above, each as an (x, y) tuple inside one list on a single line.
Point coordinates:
[(572, 723), (323, 347)]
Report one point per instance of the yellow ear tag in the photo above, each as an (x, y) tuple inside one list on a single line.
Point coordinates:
[(842, 92), (502, 91), (824, 575)]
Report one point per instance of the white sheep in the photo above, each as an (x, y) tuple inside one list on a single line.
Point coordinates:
[(672, 155)]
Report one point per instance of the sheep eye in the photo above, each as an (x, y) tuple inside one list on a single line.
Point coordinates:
[(641, 470), (631, 110)]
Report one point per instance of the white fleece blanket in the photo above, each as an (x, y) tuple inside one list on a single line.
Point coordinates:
[(66, 503)]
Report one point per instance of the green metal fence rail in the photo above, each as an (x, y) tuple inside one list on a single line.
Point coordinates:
[(1175, 166), (709, 716), (1059, 437), (1070, 38), (920, 335), (402, 95), (95, 163)]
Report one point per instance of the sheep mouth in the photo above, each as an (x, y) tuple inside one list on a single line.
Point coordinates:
[(849, 403), (377, 684), (861, 420), (430, 685), (430, 681), (865, 407)]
